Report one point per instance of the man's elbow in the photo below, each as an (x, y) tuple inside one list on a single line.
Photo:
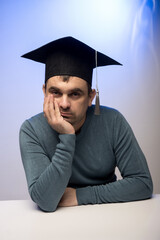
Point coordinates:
[(148, 188), (47, 209), (44, 205)]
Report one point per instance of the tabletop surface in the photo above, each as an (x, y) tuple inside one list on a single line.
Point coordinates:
[(140, 220)]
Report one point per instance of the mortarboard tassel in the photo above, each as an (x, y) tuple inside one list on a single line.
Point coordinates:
[(97, 106), (97, 109)]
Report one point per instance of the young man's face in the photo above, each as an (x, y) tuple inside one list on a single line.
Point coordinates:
[(72, 97)]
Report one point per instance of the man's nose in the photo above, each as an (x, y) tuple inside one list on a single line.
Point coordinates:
[(64, 102)]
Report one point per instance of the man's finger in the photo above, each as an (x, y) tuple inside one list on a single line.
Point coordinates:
[(57, 111), (51, 107), (45, 106)]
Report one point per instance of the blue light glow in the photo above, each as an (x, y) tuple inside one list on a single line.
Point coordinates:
[(126, 30)]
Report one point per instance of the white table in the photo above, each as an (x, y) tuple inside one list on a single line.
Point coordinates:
[(21, 220)]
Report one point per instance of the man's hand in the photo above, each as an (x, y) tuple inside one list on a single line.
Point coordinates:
[(54, 118), (69, 198)]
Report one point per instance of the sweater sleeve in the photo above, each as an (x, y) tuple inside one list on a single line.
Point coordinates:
[(47, 178), (136, 182)]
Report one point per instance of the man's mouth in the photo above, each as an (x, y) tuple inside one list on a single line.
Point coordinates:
[(66, 115)]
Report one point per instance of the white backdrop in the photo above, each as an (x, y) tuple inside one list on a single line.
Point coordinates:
[(128, 31)]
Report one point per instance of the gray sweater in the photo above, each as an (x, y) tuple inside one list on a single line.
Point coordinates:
[(85, 161)]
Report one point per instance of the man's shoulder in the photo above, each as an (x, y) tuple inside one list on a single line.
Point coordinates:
[(105, 111), (108, 110), (34, 119), (37, 118), (108, 116), (37, 121)]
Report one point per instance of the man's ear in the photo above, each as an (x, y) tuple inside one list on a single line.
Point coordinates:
[(44, 89), (91, 96)]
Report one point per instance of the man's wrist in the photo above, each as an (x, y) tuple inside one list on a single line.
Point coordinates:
[(69, 198)]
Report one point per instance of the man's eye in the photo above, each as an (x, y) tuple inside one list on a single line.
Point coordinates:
[(75, 94), (56, 93)]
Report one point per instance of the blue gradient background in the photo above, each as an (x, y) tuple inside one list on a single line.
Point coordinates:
[(127, 30)]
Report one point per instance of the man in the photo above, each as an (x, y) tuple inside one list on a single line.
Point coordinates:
[(68, 152)]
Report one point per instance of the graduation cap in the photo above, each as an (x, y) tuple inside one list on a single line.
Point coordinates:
[(69, 56)]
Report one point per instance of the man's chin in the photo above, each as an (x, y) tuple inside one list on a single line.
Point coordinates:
[(68, 120)]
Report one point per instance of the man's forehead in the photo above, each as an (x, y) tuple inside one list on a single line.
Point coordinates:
[(71, 83)]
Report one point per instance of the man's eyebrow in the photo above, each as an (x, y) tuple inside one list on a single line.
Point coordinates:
[(53, 88), (76, 90), (71, 90)]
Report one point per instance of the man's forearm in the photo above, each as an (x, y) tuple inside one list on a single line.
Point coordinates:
[(47, 178)]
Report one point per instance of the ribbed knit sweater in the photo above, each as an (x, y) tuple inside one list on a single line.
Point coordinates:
[(85, 161)]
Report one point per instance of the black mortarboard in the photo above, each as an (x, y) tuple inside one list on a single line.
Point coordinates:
[(69, 56)]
